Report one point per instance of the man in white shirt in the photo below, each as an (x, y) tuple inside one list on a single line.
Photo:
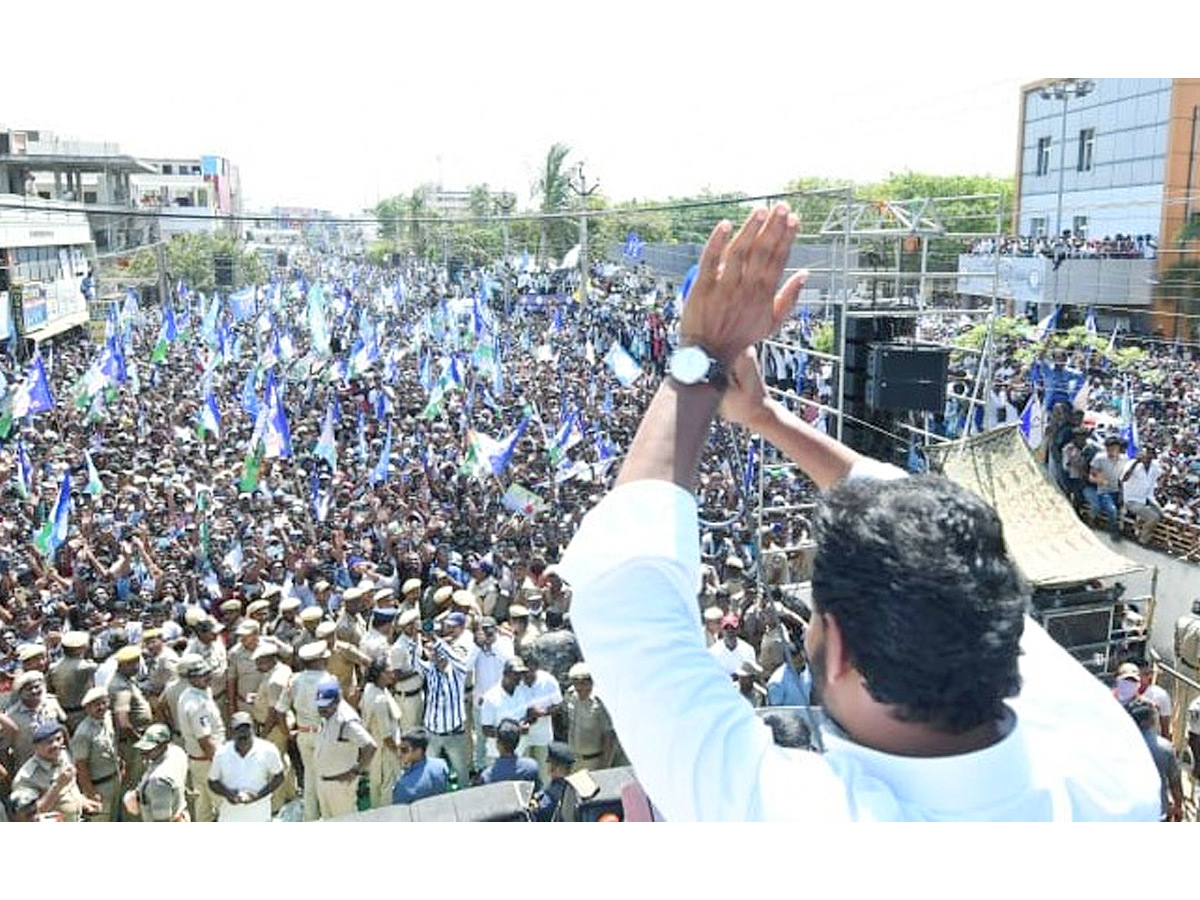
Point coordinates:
[(731, 652), (543, 697), (947, 703), (244, 773), (486, 661), (1138, 484), (507, 699)]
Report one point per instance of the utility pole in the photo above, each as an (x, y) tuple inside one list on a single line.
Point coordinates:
[(584, 192), (505, 202)]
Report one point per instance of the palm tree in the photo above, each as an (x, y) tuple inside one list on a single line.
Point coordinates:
[(552, 186)]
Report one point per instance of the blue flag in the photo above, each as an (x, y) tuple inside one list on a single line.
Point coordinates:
[(1046, 326), (278, 437), (32, 396), (1090, 321), (210, 416), (379, 474), (249, 395), (634, 245), (751, 472), (688, 280), (53, 534)]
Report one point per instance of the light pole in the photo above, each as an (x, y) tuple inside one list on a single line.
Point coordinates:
[(584, 193), (505, 203), (1064, 89)]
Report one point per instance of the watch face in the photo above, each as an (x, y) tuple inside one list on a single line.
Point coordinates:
[(689, 365)]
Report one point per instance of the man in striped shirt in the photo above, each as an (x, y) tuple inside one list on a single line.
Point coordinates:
[(445, 705)]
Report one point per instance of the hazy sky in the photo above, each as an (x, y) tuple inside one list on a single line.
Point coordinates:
[(339, 104)]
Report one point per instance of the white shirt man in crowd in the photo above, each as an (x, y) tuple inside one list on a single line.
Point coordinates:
[(543, 697), (244, 773), (486, 660), (731, 652), (1138, 484), (947, 703)]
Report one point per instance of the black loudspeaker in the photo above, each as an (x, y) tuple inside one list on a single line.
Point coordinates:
[(907, 376), (281, 259), (223, 270)]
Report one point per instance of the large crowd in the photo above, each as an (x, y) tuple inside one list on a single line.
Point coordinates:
[(1068, 246), (291, 553)]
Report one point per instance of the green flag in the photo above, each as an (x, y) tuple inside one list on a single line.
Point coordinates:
[(251, 469)]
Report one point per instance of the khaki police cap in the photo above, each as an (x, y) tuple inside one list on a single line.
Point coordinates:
[(76, 640), (131, 653)]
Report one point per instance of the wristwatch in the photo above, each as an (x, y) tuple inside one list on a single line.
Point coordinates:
[(693, 365)]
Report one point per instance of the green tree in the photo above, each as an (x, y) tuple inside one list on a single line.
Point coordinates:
[(553, 188)]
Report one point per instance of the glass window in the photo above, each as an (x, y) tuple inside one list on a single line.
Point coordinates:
[(1087, 146), (1043, 156)]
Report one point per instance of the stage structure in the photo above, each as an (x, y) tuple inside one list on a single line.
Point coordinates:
[(893, 370)]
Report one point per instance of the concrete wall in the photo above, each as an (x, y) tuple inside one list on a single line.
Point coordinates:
[(1178, 585)]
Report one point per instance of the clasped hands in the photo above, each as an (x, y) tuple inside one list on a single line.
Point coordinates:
[(734, 304)]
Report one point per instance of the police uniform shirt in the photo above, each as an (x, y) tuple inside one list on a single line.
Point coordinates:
[(217, 658), (127, 697), (27, 720), (162, 670), (375, 644), (199, 717), (403, 655), (271, 690), (350, 628), (339, 740), (286, 630), (161, 792), (243, 670), (380, 714), (37, 774), (301, 698), (95, 743), (69, 680), (588, 722)]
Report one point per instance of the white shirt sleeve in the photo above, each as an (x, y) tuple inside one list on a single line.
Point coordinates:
[(635, 578)]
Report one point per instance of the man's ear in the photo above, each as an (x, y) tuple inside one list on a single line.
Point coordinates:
[(837, 658)]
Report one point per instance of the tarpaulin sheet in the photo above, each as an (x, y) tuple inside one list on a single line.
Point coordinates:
[(1048, 542)]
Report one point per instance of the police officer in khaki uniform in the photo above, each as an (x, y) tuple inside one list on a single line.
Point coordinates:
[(274, 684), (71, 677), (342, 753), (206, 642), (32, 706), (381, 717), (203, 731), (242, 677), (287, 626), (410, 681), (130, 711), (301, 699), (161, 662), (346, 661), (350, 625), (94, 750), (49, 772), (161, 794)]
